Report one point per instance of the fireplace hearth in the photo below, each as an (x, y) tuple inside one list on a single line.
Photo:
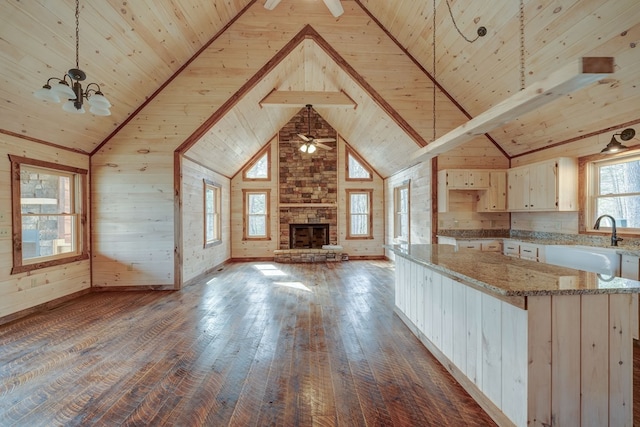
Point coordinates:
[(308, 236)]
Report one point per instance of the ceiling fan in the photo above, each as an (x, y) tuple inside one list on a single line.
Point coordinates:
[(334, 6), (310, 141)]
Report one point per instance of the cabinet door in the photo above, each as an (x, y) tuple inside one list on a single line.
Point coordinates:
[(518, 184), (478, 179), (496, 195), (457, 178), (542, 186)]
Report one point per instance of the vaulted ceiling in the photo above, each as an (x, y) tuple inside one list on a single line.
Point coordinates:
[(379, 53)]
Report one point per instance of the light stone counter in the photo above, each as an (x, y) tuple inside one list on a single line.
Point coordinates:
[(507, 276)]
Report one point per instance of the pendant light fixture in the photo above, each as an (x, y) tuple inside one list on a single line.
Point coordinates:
[(69, 87), (615, 146)]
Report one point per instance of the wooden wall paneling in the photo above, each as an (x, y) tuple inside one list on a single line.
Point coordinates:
[(491, 324), (515, 363), (565, 353), (594, 358), (473, 302), (197, 259), (620, 360), (23, 291), (539, 371)]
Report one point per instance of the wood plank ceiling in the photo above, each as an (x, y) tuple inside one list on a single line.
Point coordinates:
[(132, 49)]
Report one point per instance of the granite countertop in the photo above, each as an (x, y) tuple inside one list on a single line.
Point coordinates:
[(546, 241), (508, 276)]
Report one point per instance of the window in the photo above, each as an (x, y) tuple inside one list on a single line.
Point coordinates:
[(259, 169), (212, 194), (48, 213), (359, 214), (256, 214), (401, 209), (356, 171), (615, 190)]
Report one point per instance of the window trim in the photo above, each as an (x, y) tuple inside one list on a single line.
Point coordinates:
[(217, 197), (396, 212), (369, 193), (81, 208), (263, 152), (350, 152), (586, 182), (245, 214)]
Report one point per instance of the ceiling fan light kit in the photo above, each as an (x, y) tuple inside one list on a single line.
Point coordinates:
[(311, 142), (70, 88)]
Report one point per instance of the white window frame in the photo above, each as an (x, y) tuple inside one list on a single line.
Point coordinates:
[(77, 215), (401, 215), (212, 213), (593, 191), (246, 194), (368, 214)]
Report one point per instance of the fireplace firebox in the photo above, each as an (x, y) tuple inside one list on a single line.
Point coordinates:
[(308, 236)]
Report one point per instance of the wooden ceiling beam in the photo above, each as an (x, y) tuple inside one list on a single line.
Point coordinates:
[(271, 4), (301, 98), (570, 78), (335, 7)]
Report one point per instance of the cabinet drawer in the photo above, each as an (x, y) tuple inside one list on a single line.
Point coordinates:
[(467, 244), (512, 249), (492, 246), (529, 252)]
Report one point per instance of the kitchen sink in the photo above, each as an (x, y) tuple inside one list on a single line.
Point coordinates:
[(587, 258)]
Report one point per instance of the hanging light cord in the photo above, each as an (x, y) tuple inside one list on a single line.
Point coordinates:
[(77, 33), (434, 70), (522, 71), (482, 31)]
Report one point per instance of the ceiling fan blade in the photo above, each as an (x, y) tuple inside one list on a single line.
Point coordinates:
[(326, 147), (335, 7), (271, 4), (304, 137), (324, 140)]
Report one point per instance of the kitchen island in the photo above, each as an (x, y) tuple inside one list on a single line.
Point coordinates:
[(534, 344)]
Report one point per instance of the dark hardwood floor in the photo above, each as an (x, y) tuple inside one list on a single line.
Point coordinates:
[(256, 344)]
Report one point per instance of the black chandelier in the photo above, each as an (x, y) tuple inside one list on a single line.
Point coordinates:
[(69, 87)]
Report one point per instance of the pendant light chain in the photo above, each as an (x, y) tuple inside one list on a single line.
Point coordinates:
[(77, 33), (522, 52), (481, 31), (433, 44)]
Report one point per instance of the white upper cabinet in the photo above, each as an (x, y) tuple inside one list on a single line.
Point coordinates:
[(551, 185)]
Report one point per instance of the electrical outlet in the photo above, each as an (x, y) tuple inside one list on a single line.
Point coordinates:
[(130, 267), (34, 282)]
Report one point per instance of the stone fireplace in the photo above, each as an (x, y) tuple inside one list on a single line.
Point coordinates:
[(308, 184), (308, 236)]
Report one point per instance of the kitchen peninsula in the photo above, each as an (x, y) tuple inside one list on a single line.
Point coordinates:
[(534, 344)]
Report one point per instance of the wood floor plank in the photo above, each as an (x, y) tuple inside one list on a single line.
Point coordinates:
[(254, 344)]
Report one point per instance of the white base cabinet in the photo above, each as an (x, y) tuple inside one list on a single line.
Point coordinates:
[(564, 360)]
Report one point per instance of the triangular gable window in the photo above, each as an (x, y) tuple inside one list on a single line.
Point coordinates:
[(259, 168), (355, 169)]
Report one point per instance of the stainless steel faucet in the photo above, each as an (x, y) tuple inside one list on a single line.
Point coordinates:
[(614, 238)]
